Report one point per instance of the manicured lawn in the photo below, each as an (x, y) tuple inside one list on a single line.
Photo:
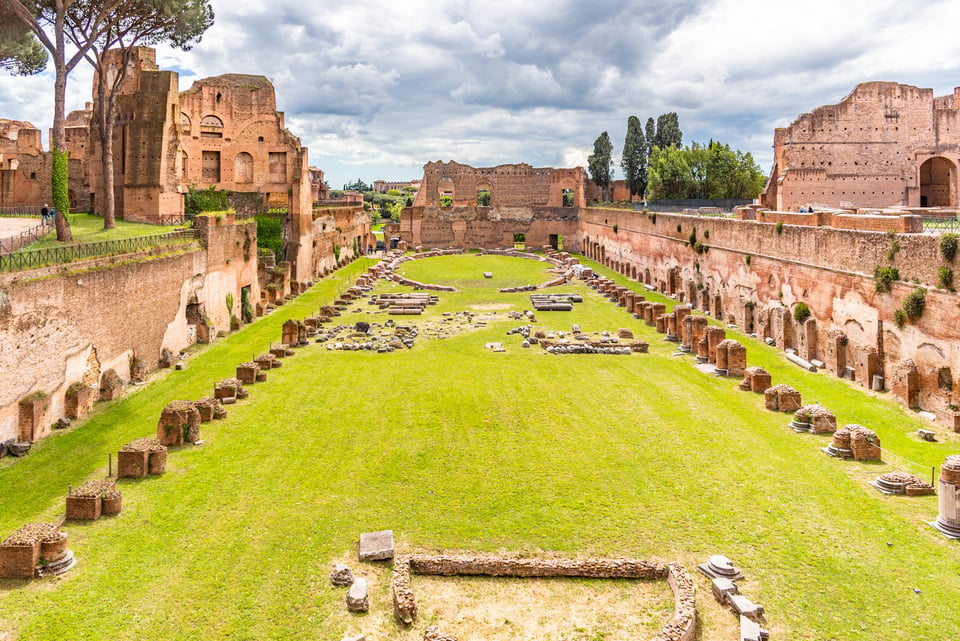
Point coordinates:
[(456, 447), (88, 228)]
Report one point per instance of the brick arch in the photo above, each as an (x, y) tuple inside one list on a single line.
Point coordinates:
[(938, 182)]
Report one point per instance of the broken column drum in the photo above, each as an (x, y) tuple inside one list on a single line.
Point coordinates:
[(948, 520)]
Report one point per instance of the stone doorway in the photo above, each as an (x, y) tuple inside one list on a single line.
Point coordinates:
[(937, 183)]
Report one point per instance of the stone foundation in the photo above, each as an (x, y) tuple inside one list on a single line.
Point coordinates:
[(755, 379), (179, 424), (681, 627), (782, 398)]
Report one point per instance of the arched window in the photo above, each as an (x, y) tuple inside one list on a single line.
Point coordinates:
[(243, 168), (185, 122), (211, 127)]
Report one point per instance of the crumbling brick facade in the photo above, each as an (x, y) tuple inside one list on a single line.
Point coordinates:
[(885, 144)]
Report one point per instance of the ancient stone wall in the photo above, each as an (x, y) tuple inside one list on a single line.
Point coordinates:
[(58, 327), (869, 150), (508, 185), (24, 167), (489, 227), (233, 137), (830, 270)]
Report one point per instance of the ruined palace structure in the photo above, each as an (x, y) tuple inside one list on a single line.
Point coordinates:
[(460, 205), (224, 132), (884, 145), (83, 333)]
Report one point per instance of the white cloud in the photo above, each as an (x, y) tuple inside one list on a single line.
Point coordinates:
[(396, 84)]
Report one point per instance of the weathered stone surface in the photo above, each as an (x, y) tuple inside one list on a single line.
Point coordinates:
[(341, 575), (376, 546), (358, 597), (782, 398)]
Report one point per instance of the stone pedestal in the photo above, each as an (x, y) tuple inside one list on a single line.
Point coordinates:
[(34, 424), (782, 398), (905, 385), (247, 373), (111, 386), (79, 400), (179, 423), (681, 312), (755, 379), (948, 520), (835, 351), (714, 336)]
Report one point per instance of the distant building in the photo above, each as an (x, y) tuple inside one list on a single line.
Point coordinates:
[(383, 186)]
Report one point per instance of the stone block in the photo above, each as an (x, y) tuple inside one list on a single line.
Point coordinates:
[(132, 464), (714, 336), (83, 508), (111, 386), (782, 398), (358, 597), (79, 400), (19, 561), (179, 423), (906, 383), (33, 421), (247, 373), (376, 546)]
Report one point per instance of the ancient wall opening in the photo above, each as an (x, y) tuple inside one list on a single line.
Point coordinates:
[(937, 182), (243, 168)]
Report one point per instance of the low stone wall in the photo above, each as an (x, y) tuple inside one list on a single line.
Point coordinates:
[(681, 627)]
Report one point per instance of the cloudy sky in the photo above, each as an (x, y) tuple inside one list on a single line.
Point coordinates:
[(377, 88)]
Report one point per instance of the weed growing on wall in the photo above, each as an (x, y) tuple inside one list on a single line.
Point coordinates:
[(884, 277), (801, 312), (945, 278), (948, 246), (914, 303)]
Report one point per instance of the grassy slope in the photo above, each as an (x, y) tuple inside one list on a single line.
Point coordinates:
[(88, 228), (456, 447)]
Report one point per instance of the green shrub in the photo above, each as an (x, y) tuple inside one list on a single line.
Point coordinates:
[(899, 318), (679, 229), (616, 228), (706, 234), (894, 245), (746, 259), (779, 228), (201, 200), (913, 304), (270, 234), (801, 312), (692, 238), (699, 248), (945, 278), (948, 246), (653, 217), (884, 277)]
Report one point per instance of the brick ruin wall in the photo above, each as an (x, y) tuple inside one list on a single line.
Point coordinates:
[(828, 269), (509, 185), (868, 150), (58, 327), (24, 166), (489, 227)]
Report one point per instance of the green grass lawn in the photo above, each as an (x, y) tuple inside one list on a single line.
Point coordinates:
[(88, 228), (458, 448)]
